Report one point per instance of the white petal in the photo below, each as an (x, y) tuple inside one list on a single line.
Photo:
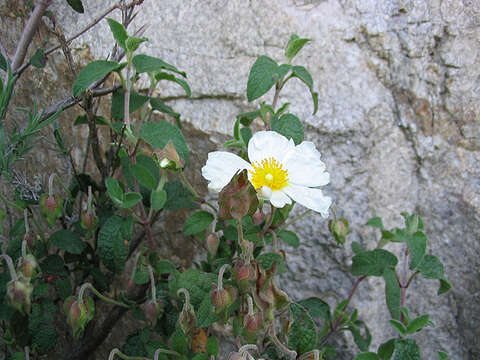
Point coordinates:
[(310, 198), (304, 166), (221, 166), (279, 199), (266, 144), (265, 193)]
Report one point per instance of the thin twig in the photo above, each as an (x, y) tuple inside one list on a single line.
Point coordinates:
[(27, 34)]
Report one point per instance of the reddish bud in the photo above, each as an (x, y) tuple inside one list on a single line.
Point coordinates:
[(169, 158), (212, 244), (51, 207), (244, 275), (339, 229), (238, 198), (19, 295), (252, 324), (258, 218), (79, 314), (89, 221), (28, 266), (153, 311), (222, 298)]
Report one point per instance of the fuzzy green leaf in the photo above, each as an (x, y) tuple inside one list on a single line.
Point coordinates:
[(417, 245), (373, 263), (289, 237), (366, 356), (67, 240), (302, 336), (206, 313), (197, 222), (118, 103), (317, 308), (39, 60), (263, 75), (212, 346), (266, 260), (385, 351), (178, 197), (418, 324), (159, 105), (402, 330), (158, 198), (406, 349), (113, 242), (392, 293), (143, 176), (171, 77), (94, 71), (295, 44), (130, 200), (144, 63), (289, 126), (158, 134), (132, 43), (247, 118), (119, 33), (76, 5)]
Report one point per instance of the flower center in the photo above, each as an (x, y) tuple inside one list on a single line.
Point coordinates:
[(269, 172)]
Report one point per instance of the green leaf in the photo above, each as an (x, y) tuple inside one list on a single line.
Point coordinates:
[(76, 5), (406, 349), (302, 335), (3, 65), (143, 176), (158, 134), (44, 338), (247, 118), (266, 260), (212, 346), (133, 43), (417, 246), (197, 222), (119, 33), (94, 71), (53, 265), (289, 126), (114, 190), (418, 324), (118, 103), (289, 237), (197, 283), (67, 240), (159, 105), (392, 293), (263, 75), (362, 341), (130, 200), (171, 77), (63, 287), (158, 198), (366, 356), (317, 308), (206, 313), (295, 44), (113, 243), (178, 197), (39, 60), (357, 248), (82, 119), (431, 268), (178, 341), (385, 351), (144, 63), (402, 330), (164, 267), (442, 355), (444, 286), (375, 222), (373, 263)]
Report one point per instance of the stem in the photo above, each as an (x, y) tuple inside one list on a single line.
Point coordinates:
[(306, 356), (10, 203), (86, 286), (247, 347), (152, 284), (24, 248), (11, 268), (250, 306), (185, 293), (27, 353), (274, 240), (403, 283), (25, 219), (126, 108), (269, 221), (411, 278), (112, 353), (165, 351), (290, 353), (50, 185), (294, 220), (28, 33), (89, 200), (188, 185), (123, 356), (220, 276)]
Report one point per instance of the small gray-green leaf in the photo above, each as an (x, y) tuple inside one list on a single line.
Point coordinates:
[(295, 44), (417, 245), (212, 346), (130, 200), (406, 349), (431, 268), (399, 326), (266, 260), (132, 43), (67, 240), (385, 351), (197, 222), (366, 356), (158, 198), (289, 237), (263, 75), (418, 324), (302, 335), (94, 71), (442, 355), (143, 176), (39, 60), (159, 105), (317, 308), (302, 73), (171, 77), (373, 263), (158, 134), (114, 190), (289, 126), (76, 5), (375, 222), (392, 293), (119, 33)]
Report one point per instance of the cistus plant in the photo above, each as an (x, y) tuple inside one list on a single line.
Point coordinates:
[(84, 228)]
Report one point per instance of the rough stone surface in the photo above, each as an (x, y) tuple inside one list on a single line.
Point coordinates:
[(398, 127)]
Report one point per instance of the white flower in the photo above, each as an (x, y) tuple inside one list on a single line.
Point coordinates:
[(278, 170)]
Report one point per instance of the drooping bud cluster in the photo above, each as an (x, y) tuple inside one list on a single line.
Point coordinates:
[(28, 266), (222, 298), (89, 221), (212, 244), (19, 294), (244, 275), (79, 312), (238, 198)]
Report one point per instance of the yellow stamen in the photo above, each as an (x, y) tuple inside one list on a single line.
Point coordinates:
[(269, 172)]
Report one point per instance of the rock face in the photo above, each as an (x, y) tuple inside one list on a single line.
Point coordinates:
[(398, 127)]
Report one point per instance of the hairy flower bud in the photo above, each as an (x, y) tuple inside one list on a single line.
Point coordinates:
[(51, 207), (212, 243), (19, 294), (79, 314), (222, 298), (169, 158), (238, 198), (153, 311), (339, 229), (252, 324), (28, 266), (258, 218), (89, 221), (244, 275)]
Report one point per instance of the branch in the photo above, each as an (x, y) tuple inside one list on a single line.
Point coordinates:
[(28, 32)]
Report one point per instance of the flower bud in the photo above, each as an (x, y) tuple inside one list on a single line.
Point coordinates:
[(19, 294), (222, 298), (212, 244), (51, 207), (29, 266), (339, 229), (89, 221), (169, 158), (258, 218), (68, 303), (238, 198), (252, 324), (244, 275), (79, 314), (187, 320), (153, 311)]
